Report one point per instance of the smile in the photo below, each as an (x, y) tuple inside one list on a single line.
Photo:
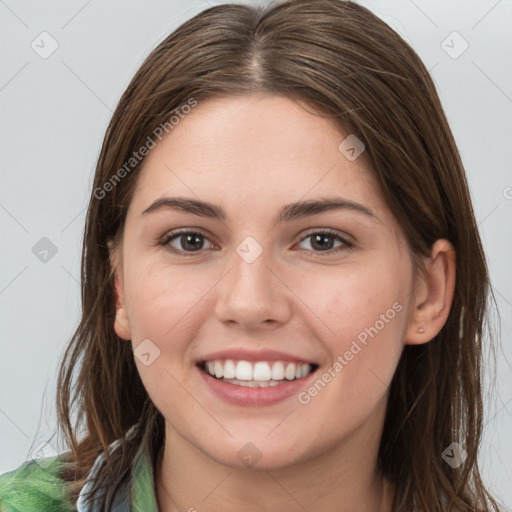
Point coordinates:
[(256, 374)]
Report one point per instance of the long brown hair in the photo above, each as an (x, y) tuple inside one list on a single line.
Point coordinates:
[(341, 58)]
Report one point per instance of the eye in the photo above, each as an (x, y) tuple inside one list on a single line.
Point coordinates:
[(183, 242), (188, 242), (323, 241)]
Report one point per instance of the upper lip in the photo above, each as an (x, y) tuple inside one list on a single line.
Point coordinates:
[(242, 354)]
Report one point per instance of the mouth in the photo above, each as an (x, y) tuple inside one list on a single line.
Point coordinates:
[(256, 374)]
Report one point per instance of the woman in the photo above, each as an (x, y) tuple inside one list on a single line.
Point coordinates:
[(283, 285)]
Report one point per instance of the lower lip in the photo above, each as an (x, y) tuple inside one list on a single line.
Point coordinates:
[(254, 397)]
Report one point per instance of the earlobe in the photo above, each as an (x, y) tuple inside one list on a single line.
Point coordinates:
[(121, 322), (434, 295)]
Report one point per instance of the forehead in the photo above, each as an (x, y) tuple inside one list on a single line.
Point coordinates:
[(254, 152)]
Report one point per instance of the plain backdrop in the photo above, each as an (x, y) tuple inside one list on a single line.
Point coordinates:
[(64, 67)]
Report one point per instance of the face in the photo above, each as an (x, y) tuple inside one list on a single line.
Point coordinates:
[(300, 312)]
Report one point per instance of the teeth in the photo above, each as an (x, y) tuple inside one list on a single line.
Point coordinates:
[(278, 371), (244, 370), (261, 373), (252, 383), (289, 373), (219, 369), (229, 370)]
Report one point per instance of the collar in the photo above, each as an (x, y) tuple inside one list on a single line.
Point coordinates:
[(143, 491), (135, 494)]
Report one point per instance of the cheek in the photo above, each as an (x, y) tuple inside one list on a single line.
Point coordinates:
[(364, 316), (162, 300), (353, 298), (351, 389), (165, 304)]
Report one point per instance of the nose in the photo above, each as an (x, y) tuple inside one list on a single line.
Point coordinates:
[(254, 295)]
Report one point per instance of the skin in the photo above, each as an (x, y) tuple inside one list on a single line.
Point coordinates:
[(251, 155)]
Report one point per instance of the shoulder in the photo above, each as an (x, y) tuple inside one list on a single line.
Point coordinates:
[(35, 486)]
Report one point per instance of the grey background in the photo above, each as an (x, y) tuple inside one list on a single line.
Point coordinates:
[(54, 112)]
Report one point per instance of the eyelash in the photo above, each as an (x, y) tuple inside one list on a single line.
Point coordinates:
[(169, 237)]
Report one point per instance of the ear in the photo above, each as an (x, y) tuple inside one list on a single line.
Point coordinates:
[(433, 295), (121, 322)]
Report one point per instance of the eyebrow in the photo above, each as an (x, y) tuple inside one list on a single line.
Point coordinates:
[(289, 212)]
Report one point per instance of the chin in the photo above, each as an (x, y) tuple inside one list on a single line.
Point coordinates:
[(257, 456)]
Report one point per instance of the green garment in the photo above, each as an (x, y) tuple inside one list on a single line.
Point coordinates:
[(37, 487)]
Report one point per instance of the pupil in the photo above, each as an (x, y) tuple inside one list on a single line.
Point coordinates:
[(187, 244), (318, 238)]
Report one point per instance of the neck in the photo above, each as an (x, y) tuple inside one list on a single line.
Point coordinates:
[(342, 479)]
